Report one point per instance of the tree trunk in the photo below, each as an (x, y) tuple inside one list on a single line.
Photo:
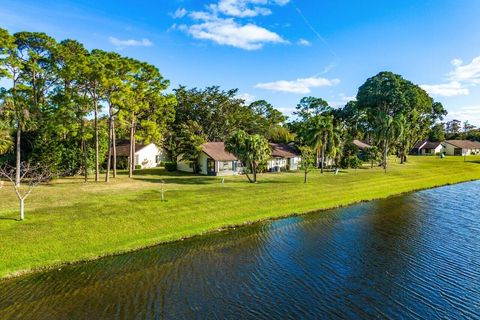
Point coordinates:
[(254, 172), (109, 160), (84, 151), (22, 209), (132, 149), (97, 168), (323, 158), (305, 177), (385, 152), (18, 155), (114, 146)]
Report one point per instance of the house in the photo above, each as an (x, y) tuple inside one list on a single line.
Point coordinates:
[(213, 160), (284, 157), (462, 147), (146, 155), (361, 145), (425, 147)]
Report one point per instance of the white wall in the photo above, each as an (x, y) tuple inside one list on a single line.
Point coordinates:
[(294, 162), (202, 162), (147, 157), (450, 149)]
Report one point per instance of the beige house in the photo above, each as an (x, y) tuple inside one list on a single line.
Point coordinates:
[(214, 160), (284, 157), (146, 155), (461, 147)]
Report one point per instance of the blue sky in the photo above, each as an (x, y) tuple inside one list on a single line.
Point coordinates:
[(281, 50)]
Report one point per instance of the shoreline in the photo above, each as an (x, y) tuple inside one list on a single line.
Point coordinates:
[(226, 227)]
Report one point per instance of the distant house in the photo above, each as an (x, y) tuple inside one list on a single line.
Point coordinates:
[(214, 160), (284, 157), (462, 147), (146, 155), (425, 147), (360, 144)]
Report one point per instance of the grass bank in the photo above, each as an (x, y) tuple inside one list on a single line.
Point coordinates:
[(69, 221)]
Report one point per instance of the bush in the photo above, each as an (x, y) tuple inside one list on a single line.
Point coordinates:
[(170, 166), (138, 167), (351, 162)]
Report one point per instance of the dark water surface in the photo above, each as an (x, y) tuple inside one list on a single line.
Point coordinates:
[(415, 256)]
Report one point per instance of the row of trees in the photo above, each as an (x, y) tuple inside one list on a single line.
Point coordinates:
[(67, 107), (453, 130), (390, 113)]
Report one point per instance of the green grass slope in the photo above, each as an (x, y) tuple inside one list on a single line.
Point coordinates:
[(69, 221)]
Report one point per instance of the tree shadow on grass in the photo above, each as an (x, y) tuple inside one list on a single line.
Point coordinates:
[(477, 161), (187, 180), (9, 218)]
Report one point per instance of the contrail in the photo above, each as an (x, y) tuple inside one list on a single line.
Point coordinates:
[(309, 25)]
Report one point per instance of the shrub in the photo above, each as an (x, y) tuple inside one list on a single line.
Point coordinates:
[(170, 166), (138, 167)]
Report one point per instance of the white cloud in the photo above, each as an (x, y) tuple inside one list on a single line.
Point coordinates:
[(456, 62), (179, 13), (222, 22), (241, 8), (245, 8), (300, 86), (304, 42), (247, 97), (348, 98), (470, 114), (460, 79), (130, 42), (228, 32), (468, 73), (450, 89)]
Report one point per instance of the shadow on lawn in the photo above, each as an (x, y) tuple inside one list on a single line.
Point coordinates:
[(9, 218)]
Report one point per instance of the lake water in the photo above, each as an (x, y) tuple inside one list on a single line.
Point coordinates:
[(415, 256)]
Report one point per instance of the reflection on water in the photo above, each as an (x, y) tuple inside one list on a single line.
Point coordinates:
[(414, 256)]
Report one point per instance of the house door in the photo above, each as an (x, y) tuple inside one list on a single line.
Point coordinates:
[(210, 167), (457, 152)]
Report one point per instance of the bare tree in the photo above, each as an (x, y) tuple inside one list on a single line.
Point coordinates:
[(30, 175)]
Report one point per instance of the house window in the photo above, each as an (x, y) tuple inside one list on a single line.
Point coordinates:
[(158, 158), (225, 166)]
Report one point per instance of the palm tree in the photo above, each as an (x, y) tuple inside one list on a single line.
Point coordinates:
[(320, 134), (335, 149), (6, 141), (389, 130)]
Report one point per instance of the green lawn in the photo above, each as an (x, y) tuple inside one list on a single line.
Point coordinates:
[(69, 221)]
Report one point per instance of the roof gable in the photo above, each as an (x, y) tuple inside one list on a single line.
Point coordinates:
[(216, 151), (123, 150), (283, 150), (360, 144), (464, 144)]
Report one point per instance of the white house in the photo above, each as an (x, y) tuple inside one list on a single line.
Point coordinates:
[(462, 147), (214, 160), (427, 148), (146, 155), (284, 157)]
